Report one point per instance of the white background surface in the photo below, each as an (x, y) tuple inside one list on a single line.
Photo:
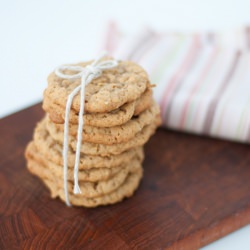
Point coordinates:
[(37, 36)]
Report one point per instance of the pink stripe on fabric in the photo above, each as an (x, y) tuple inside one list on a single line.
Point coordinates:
[(149, 47), (166, 97), (110, 40), (248, 37), (165, 53), (212, 107), (143, 49), (199, 81), (140, 43), (248, 134)]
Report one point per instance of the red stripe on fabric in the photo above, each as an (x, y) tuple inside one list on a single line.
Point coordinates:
[(195, 87), (173, 81)]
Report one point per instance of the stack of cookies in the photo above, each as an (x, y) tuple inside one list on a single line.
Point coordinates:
[(119, 118)]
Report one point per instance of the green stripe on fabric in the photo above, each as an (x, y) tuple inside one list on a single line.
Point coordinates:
[(228, 100), (242, 119), (156, 76)]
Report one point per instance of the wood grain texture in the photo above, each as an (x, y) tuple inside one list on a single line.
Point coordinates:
[(194, 191)]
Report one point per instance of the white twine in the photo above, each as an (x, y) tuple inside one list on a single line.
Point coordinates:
[(87, 74)]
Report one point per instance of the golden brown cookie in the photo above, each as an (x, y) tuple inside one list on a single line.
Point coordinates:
[(113, 118), (145, 101), (110, 135), (88, 189), (52, 150), (102, 149), (115, 87), (89, 175), (126, 190)]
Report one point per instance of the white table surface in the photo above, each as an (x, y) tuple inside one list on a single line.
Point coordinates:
[(37, 36)]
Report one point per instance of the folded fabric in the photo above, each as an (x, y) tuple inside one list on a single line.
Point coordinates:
[(202, 79)]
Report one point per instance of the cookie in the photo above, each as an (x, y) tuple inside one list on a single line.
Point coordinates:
[(110, 135), (144, 102), (105, 150), (113, 118), (126, 190), (88, 189), (92, 175), (52, 150), (115, 87), (89, 175)]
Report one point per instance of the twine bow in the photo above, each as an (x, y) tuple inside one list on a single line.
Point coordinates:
[(86, 74)]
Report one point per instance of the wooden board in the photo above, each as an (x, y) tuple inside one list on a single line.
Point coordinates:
[(194, 191)]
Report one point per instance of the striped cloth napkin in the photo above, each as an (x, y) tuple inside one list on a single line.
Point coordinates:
[(203, 79)]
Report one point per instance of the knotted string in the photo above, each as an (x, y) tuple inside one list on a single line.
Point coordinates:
[(86, 74)]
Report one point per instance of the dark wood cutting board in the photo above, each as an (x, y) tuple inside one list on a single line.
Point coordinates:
[(194, 191)]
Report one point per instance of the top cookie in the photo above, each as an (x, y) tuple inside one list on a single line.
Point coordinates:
[(112, 89)]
